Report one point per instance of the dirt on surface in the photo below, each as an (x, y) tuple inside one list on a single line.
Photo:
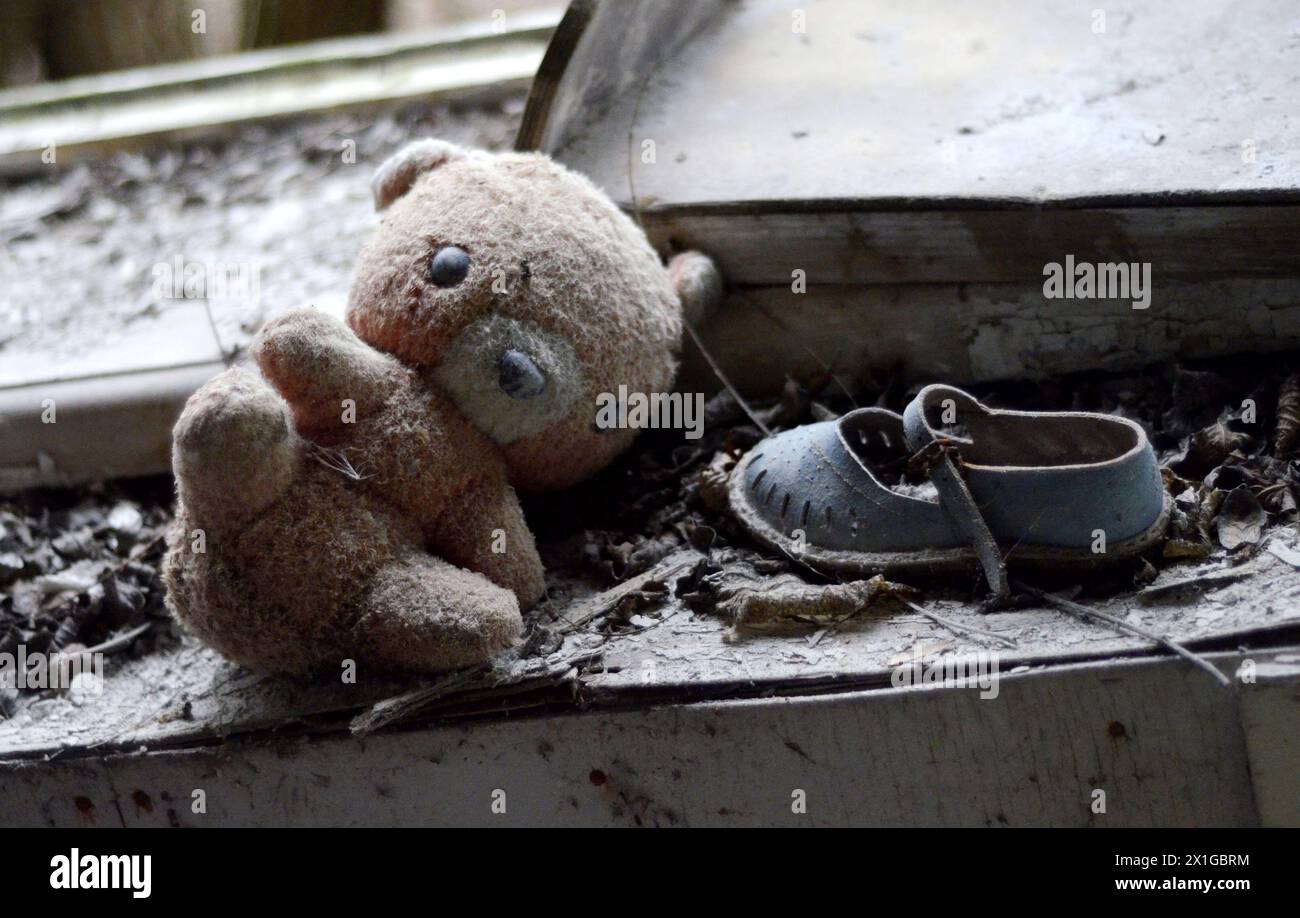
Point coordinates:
[(288, 202)]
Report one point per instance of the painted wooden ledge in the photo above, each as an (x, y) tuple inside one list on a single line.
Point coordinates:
[(708, 729), (66, 423), (1146, 742), (917, 167)]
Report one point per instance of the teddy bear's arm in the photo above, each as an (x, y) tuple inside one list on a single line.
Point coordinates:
[(328, 375)]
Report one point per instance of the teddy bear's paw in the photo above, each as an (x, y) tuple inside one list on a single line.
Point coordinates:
[(698, 283), (233, 451), (422, 613), (324, 371)]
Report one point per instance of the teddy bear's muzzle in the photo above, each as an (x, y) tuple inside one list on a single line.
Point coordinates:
[(519, 375)]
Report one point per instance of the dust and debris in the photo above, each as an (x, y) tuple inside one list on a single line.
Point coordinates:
[(1188, 587), (81, 571), (646, 543), (742, 589), (289, 202), (1281, 550)]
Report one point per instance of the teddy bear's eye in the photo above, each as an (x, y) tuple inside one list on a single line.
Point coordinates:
[(448, 266)]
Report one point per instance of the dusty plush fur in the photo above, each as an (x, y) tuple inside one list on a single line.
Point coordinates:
[(352, 501)]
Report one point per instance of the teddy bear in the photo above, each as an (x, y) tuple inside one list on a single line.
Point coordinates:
[(355, 496)]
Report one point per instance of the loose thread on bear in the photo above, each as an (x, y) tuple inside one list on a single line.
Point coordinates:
[(335, 461)]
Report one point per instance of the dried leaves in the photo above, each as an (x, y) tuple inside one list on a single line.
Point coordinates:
[(758, 594), (785, 601), (1241, 519), (1211, 446), (79, 573), (713, 482), (620, 560), (1241, 487), (1288, 416), (1230, 508)]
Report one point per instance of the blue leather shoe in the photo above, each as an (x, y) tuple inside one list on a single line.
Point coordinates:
[(1048, 488)]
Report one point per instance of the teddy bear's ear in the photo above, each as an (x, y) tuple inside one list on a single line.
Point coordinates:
[(399, 172)]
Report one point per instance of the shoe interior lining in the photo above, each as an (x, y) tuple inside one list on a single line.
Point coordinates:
[(1046, 440), (881, 448)]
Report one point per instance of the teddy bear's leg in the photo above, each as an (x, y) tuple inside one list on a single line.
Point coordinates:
[(422, 613), (233, 450), (485, 531)]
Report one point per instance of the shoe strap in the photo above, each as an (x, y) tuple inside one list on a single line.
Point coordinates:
[(954, 494)]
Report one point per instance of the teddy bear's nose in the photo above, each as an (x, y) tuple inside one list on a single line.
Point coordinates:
[(519, 376)]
